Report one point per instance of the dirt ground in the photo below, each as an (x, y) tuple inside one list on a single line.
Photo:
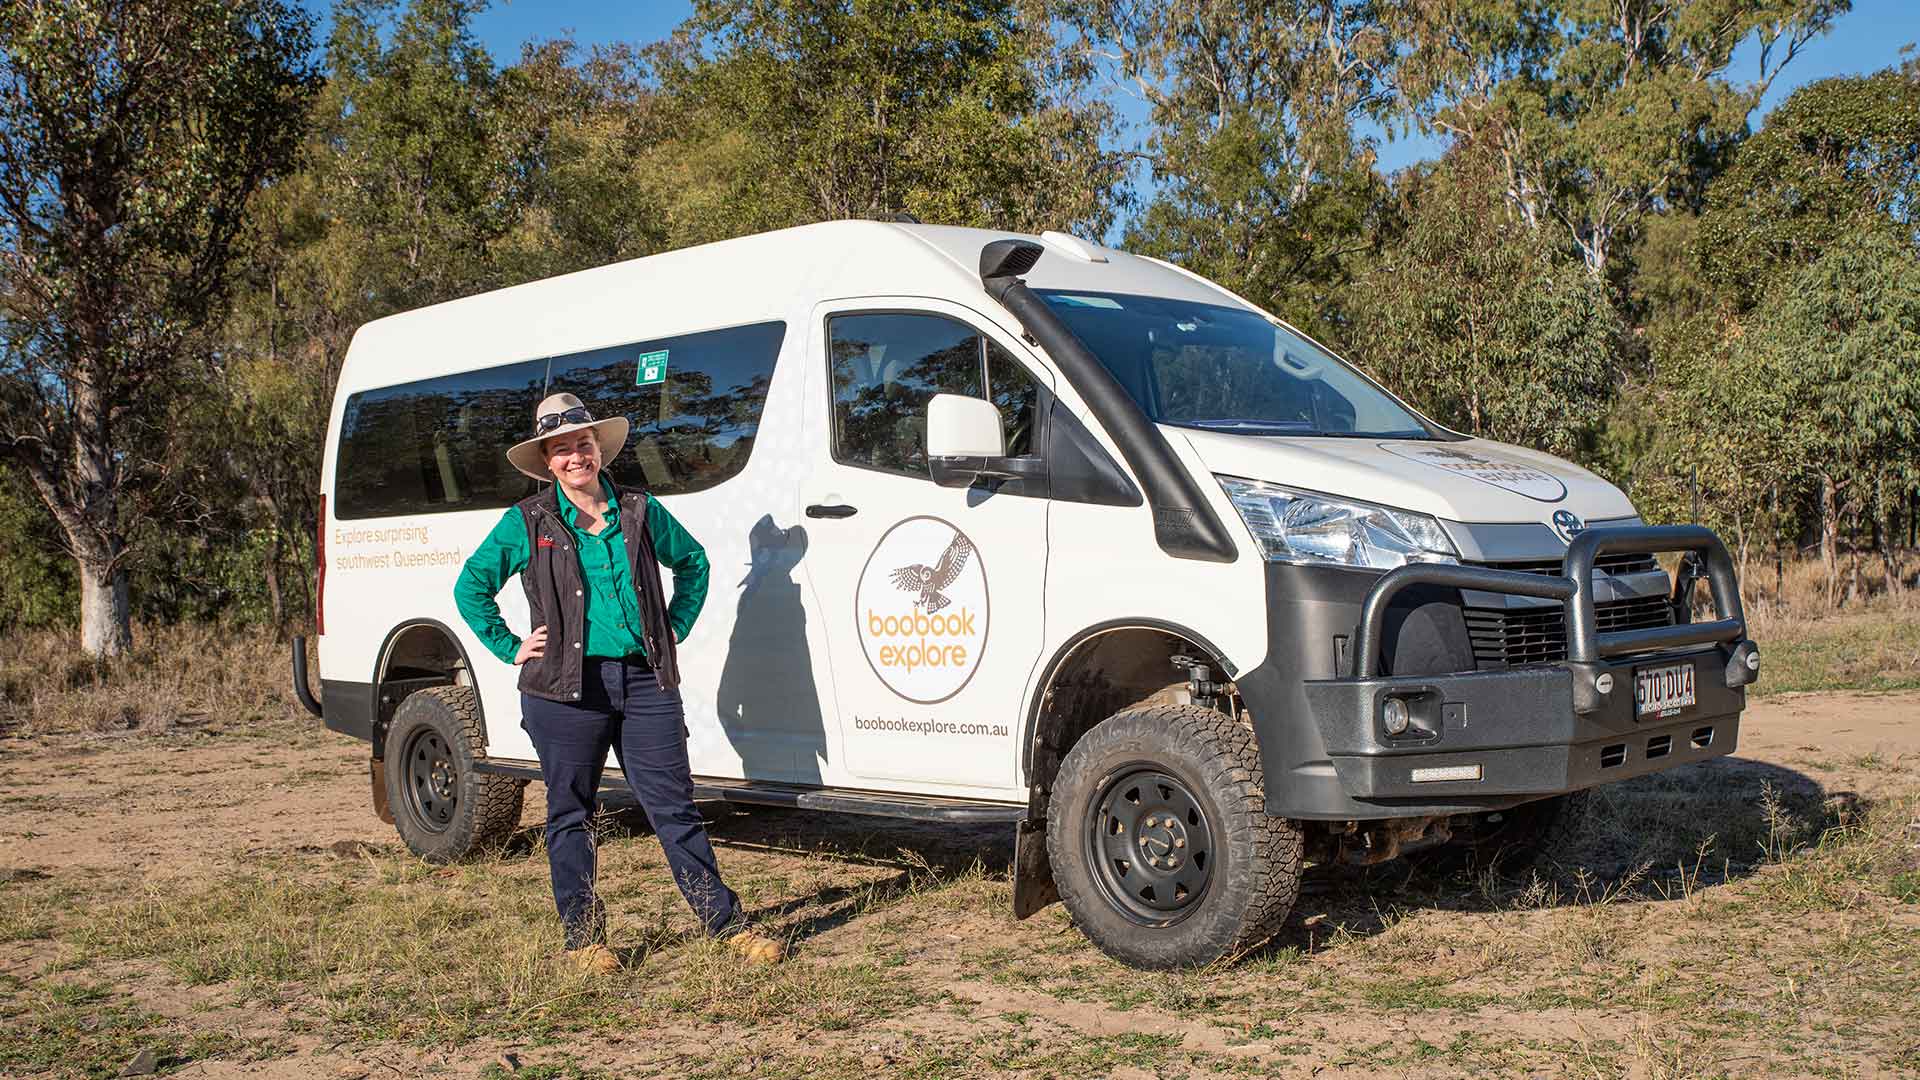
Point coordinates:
[(1760, 946)]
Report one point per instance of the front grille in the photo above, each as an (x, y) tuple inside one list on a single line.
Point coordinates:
[(1627, 562), (1507, 637)]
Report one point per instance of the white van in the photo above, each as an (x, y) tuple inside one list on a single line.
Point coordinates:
[(1023, 529)]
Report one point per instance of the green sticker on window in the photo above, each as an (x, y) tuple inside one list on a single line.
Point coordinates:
[(653, 368)]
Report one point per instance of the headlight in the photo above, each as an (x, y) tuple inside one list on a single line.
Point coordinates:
[(1302, 526)]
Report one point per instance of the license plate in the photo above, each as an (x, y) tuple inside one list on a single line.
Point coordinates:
[(1664, 690)]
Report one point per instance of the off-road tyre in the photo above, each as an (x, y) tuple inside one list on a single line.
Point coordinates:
[(443, 809), (1518, 840), (1253, 872)]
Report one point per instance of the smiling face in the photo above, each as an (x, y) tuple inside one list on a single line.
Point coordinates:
[(574, 461)]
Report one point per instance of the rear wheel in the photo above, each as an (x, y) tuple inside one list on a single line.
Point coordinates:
[(1160, 840), (443, 809)]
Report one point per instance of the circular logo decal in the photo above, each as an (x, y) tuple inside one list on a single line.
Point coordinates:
[(1568, 525), (921, 605), (1503, 473)]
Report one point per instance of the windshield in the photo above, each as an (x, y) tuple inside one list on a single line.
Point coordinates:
[(1228, 369)]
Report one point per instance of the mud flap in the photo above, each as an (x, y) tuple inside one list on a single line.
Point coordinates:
[(377, 771), (1033, 886)]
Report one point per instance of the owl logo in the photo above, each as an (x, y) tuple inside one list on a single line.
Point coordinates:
[(920, 609), (931, 582)]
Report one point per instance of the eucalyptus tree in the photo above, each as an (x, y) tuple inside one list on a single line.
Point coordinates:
[(133, 135), (1604, 110), (1485, 325), (1261, 182), (790, 111), (1832, 360), (1838, 156), (1751, 386)]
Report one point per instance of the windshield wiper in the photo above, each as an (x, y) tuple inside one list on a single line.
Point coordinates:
[(1292, 427)]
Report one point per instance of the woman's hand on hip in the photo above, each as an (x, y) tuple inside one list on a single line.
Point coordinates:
[(533, 647)]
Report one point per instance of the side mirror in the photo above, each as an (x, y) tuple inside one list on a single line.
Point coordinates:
[(960, 426), (965, 443)]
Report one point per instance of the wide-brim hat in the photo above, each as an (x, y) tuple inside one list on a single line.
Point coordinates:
[(526, 456)]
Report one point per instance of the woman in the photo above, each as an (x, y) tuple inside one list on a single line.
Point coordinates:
[(599, 670)]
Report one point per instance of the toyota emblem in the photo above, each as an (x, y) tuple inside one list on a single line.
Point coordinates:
[(1567, 525)]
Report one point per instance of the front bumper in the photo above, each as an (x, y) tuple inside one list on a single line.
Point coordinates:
[(1517, 732), (1544, 729)]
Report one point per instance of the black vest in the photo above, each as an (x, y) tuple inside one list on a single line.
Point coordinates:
[(556, 595)]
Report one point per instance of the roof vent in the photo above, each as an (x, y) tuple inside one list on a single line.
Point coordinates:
[(1071, 245)]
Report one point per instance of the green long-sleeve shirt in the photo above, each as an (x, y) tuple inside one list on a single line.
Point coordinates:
[(613, 607)]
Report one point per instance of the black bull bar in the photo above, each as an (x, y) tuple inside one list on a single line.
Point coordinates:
[(1587, 645)]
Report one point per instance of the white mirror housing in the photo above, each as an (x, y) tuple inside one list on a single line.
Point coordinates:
[(960, 426)]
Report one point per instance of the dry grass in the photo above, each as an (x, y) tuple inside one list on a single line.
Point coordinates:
[(1730, 918), (1874, 646), (1799, 587), (178, 677), (1795, 950)]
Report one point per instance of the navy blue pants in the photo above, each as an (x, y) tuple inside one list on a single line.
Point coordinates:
[(623, 707)]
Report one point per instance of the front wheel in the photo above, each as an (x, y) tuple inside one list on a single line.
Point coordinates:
[(442, 807), (1161, 843)]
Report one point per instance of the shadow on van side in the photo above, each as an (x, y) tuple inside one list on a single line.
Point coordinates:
[(768, 702)]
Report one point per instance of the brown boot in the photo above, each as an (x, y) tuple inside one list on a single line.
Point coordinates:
[(595, 959), (757, 948)]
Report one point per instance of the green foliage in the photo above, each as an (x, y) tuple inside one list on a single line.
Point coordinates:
[(586, 188), (36, 577), (1479, 322), (1606, 264), (1838, 156), (1605, 112), (1262, 184), (1781, 322), (133, 134), (791, 111), (1836, 354)]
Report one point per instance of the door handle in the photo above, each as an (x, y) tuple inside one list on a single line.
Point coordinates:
[(831, 510)]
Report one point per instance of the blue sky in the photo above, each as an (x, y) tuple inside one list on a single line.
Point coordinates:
[(1868, 38)]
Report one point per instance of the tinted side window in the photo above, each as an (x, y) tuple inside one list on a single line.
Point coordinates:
[(885, 368), (694, 427), (441, 444), (436, 445)]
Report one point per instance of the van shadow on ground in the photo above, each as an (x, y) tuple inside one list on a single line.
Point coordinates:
[(1706, 824)]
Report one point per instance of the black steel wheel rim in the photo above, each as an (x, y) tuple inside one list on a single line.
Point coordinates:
[(433, 781), (1150, 845)]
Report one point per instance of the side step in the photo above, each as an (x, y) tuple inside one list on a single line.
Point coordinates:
[(833, 800)]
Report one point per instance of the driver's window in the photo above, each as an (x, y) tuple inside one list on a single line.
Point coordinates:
[(886, 366)]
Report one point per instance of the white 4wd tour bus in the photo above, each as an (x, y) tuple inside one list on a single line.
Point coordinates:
[(1022, 529)]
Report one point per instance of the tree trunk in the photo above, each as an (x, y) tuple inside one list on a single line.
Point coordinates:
[(1853, 593), (106, 626), (1779, 555), (1890, 553), (1740, 538), (1829, 536), (272, 573)]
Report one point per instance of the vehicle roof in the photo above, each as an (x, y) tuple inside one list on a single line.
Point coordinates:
[(750, 279)]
